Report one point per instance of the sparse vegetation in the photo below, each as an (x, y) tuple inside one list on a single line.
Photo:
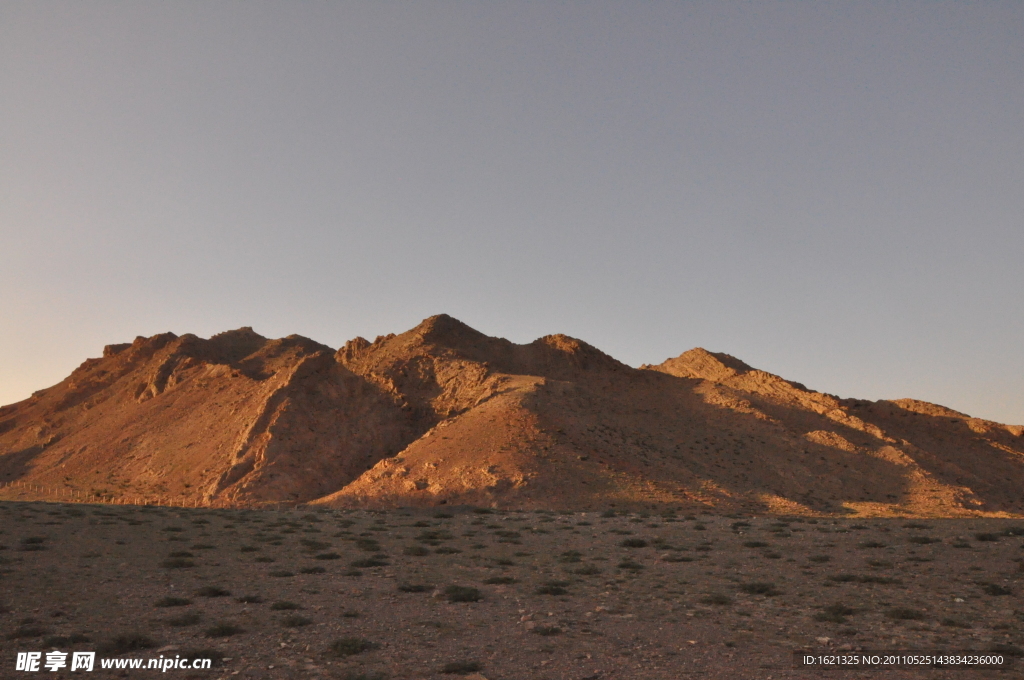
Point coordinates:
[(547, 631), (717, 599), (834, 613), (414, 588), (172, 601), (760, 588), (295, 621), (223, 629), (904, 614), (462, 594), (350, 646), (187, 619), (461, 667), (124, 643)]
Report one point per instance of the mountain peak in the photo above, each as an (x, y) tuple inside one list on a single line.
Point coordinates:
[(700, 363), (444, 329)]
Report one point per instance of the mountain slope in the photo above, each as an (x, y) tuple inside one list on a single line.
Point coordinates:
[(445, 414)]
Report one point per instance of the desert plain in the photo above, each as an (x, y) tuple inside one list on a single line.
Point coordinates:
[(409, 593)]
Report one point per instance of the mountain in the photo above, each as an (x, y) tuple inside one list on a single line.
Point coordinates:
[(445, 414)]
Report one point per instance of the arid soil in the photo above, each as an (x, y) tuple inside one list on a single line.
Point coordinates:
[(445, 415), (327, 593)]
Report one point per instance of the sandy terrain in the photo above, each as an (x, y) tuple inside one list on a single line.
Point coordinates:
[(322, 593)]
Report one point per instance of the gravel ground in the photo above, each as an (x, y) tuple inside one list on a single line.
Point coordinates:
[(502, 595)]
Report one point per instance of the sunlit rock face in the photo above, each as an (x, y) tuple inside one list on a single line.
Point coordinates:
[(443, 414)]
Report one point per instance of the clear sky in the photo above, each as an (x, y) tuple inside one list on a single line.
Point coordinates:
[(833, 192)]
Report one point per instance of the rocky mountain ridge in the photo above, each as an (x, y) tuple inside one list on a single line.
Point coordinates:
[(445, 414)]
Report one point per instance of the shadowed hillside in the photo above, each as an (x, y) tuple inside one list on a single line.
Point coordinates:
[(445, 414)]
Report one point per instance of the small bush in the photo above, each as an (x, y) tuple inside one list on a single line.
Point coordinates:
[(350, 646), (312, 570), (281, 573), (414, 588), (368, 563), (123, 643), (570, 557), (461, 667), (819, 559), (263, 559), (499, 580), (857, 578), (1005, 649), (249, 599), (28, 630), (188, 619), (755, 544), (285, 605), (760, 588), (986, 537), (172, 602), (922, 540), (295, 621), (415, 551), (955, 623), (33, 544), (249, 548), (552, 588), (995, 589), (328, 556), (547, 631), (58, 641), (630, 565), (177, 563), (872, 544), (904, 614), (462, 594), (213, 591), (834, 613), (634, 543), (446, 550), (223, 629), (716, 599), (181, 553), (586, 570)]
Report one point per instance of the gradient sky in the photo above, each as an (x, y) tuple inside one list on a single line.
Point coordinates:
[(833, 192)]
